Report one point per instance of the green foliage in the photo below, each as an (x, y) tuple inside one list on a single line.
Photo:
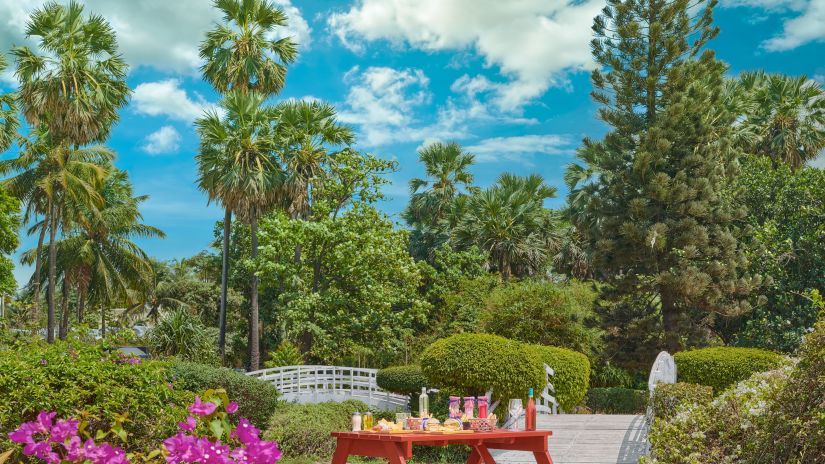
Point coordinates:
[(287, 354), (81, 380), (607, 375), (9, 225), (474, 363), (721, 367), (304, 429), (544, 313), (667, 398), (463, 307), (571, 377), (184, 336), (256, 400), (616, 400), (405, 380)]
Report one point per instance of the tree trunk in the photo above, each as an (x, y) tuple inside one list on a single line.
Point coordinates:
[(670, 323), (52, 272), (81, 303), (102, 322), (64, 310), (227, 232), (38, 264), (254, 348)]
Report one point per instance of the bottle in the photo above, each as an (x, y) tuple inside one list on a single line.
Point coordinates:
[(356, 421), (530, 413), (423, 403), (368, 421), (482, 407), (469, 406)]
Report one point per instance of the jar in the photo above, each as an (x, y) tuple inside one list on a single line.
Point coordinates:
[(455, 408), (469, 406), (356, 421)]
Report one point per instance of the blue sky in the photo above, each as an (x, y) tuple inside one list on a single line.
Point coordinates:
[(509, 80)]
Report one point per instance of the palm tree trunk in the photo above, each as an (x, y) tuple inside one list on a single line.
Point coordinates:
[(64, 310), (38, 264), (102, 321), (52, 272), (227, 231), (81, 303), (254, 348)]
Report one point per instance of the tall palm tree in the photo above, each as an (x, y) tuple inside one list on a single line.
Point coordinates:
[(8, 114), (510, 223), (73, 89), (447, 167), (239, 55), (786, 116), (237, 168)]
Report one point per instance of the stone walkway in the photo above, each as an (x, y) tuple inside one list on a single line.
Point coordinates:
[(588, 439)]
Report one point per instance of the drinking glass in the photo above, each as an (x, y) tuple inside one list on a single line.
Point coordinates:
[(401, 419), (515, 411)]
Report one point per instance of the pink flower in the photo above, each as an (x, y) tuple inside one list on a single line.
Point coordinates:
[(245, 432), (263, 452), (232, 407), (106, 454), (202, 409), (63, 430), (189, 424)]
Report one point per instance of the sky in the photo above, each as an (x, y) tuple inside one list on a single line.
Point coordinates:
[(509, 80)]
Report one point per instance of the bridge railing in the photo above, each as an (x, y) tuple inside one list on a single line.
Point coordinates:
[(330, 383)]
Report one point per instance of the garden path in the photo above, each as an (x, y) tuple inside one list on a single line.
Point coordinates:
[(588, 439)]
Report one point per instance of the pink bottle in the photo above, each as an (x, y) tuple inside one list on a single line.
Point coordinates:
[(469, 406)]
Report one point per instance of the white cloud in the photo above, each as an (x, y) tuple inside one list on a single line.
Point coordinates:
[(520, 148), (534, 43), (164, 140), (807, 24), (163, 34), (167, 98)]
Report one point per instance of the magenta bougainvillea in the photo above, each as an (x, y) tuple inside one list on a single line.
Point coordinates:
[(219, 441)]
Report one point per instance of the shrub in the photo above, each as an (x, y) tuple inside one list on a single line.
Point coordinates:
[(571, 374), (286, 354), (668, 397), (616, 400), (544, 313), (474, 363), (605, 375), (257, 400), (721, 367), (81, 380), (404, 380), (304, 429), (184, 336)]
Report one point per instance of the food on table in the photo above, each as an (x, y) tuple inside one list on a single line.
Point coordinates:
[(452, 425), (433, 425)]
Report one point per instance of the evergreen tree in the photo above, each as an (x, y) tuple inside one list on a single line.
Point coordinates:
[(649, 200)]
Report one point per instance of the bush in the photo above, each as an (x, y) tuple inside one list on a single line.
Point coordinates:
[(667, 398), (473, 363), (257, 400), (184, 336), (81, 380), (304, 429), (404, 380), (721, 367), (286, 354), (571, 374), (616, 400), (544, 313)]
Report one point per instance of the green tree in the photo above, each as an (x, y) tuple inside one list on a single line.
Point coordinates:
[(784, 117), (648, 200), (447, 167), (9, 240), (239, 56), (509, 222), (73, 89), (237, 167), (9, 122)]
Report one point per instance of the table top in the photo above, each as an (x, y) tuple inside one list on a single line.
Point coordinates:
[(430, 436)]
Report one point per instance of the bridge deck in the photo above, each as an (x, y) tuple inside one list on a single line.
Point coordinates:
[(588, 439)]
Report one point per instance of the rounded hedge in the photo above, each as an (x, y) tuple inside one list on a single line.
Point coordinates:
[(404, 380), (256, 399), (571, 373), (474, 363), (721, 367), (616, 400), (667, 397)]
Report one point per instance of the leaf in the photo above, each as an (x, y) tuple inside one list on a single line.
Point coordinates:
[(5, 456), (216, 426)]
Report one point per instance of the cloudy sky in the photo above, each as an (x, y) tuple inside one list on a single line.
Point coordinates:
[(508, 79)]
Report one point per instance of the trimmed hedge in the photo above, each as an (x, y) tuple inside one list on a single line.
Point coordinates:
[(668, 397), (473, 363), (615, 400), (721, 367), (572, 373), (404, 380), (256, 400), (304, 429)]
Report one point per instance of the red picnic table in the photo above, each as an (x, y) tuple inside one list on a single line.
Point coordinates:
[(397, 448)]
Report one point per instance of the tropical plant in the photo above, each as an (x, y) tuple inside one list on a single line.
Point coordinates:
[(447, 166), (509, 222), (184, 336), (9, 121), (9, 240), (286, 354), (237, 168)]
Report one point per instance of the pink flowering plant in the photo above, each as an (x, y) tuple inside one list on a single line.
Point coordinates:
[(210, 434)]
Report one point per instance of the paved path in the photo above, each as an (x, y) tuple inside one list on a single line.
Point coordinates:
[(588, 439)]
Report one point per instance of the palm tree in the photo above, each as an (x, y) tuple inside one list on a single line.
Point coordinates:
[(786, 116), (447, 166), (237, 168), (239, 56), (73, 89), (8, 115), (510, 223)]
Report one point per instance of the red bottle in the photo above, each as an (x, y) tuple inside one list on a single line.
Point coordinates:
[(530, 413)]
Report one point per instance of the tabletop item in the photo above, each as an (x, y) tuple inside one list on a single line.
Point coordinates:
[(482, 407), (516, 409), (401, 419), (423, 403), (530, 416), (368, 421), (356, 421), (455, 410), (469, 406)]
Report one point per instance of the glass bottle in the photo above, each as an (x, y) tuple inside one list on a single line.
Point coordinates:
[(368, 421), (423, 403), (469, 406), (530, 417), (482, 407), (455, 409)]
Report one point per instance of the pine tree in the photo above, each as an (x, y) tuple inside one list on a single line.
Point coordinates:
[(648, 200)]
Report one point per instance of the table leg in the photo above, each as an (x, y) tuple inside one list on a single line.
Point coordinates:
[(543, 457), (483, 454), (474, 458), (341, 451), (394, 453)]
